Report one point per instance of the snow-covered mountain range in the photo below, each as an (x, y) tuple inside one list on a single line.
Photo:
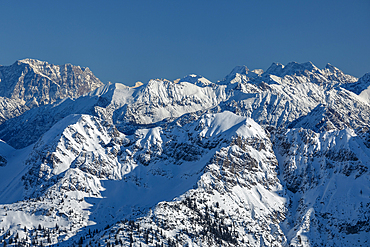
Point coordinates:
[(274, 158)]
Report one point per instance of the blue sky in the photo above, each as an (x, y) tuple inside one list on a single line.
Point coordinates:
[(129, 41)]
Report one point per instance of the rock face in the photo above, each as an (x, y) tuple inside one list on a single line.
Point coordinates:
[(30, 83), (275, 158)]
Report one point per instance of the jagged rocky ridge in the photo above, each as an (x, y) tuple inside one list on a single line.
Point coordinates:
[(275, 158), (30, 83)]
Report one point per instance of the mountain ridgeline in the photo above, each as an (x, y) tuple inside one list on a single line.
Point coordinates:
[(30, 83), (274, 158)]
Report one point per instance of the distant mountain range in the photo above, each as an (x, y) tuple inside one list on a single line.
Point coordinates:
[(30, 83), (274, 158)]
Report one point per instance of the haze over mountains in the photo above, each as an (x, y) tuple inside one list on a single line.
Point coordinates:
[(274, 158)]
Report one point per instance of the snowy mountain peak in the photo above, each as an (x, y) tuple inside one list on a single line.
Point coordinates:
[(361, 86), (239, 75), (365, 78), (292, 68), (364, 81), (295, 73), (196, 80), (31, 83), (332, 70), (258, 71), (39, 66), (137, 84), (275, 69), (32, 61), (330, 67), (240, 70)]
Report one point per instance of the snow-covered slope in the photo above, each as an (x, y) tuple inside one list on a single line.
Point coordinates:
[(10, 108), (54, 177), (196, 79), (150, 167), (274, 158), (359, 86), (126, 107), (327, 177)]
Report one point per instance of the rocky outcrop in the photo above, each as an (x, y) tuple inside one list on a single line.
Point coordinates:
[(32, 83)]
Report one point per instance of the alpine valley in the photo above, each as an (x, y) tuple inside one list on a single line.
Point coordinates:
[(261, 158)]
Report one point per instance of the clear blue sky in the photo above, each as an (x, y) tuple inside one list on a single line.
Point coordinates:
[(129, 41)]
